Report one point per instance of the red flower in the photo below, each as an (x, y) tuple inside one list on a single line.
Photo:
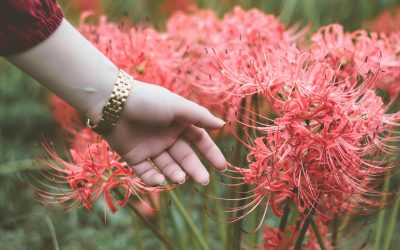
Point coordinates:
[(387, 22), (328, 147), (355, 54), (90, 174), (65, 115), (275, 239)]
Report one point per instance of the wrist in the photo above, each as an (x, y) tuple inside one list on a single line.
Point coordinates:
[(112, 110), (100, 96)]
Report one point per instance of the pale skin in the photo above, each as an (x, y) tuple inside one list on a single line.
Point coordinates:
[(155, 124)]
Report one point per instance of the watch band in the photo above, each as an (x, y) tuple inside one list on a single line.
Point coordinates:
[(113, 109)]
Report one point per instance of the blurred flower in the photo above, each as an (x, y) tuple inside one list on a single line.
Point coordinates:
[(65, 115), (171, 6), (275, 239), (147, 55), (387, 22), (87, 5), (89, 175)]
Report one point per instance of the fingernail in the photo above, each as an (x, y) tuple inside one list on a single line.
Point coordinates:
[(164, 183), (183, 181), (221, 122), (205, 184)]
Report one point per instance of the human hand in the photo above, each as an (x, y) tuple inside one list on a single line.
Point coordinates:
[(161, 126), (155, 124)]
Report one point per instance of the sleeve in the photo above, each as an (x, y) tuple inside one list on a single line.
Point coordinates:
[(25, 23)]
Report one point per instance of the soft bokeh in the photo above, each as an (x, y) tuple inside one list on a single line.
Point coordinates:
[(26, 117)]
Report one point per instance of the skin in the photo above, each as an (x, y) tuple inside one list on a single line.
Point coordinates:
[(157, 131)]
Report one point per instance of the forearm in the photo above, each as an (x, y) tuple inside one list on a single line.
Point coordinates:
[(72, 68)]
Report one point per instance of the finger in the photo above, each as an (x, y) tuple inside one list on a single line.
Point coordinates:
[(202, 141), (170, 168), (188, 160), (148, 173), (150, 148), (192, 113)]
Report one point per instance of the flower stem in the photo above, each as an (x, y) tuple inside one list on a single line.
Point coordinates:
[(188, 220), (302, 234), (335, 230), (317, 233), (160, 218), (343, 225), (137, 233), (284, 219), (392, 223), (177, 230), (381, 215), (150, 225)]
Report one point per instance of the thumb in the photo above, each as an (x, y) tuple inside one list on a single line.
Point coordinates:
[(192, 113)]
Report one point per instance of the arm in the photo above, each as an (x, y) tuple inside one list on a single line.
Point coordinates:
[(72, 68), (155, 123)]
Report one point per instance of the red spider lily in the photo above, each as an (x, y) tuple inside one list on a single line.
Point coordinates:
[(387, 22), (329, 145), (275, 239), (358, 53), (89, 175), (65, 115), (145, 53), (153, 199)]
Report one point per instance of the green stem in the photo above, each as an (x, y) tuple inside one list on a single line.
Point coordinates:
[(288, 10), (343, 226), (237, 226), (137, 233), (318, 234), (177, 229), (392, 223), (52, 232), (302, 234), (335, 231), (203, 214), (16, 166), (160, 218), (188, 220), (150, 225), (284, 219), (236, 231), (381, 215)]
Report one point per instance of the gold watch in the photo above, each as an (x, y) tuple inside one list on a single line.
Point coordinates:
[(113, 109)]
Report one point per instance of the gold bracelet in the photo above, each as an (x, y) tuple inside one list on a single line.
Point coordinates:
[(113, 109)]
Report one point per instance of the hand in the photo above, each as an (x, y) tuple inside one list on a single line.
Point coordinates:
[(161, 126), (155, 123)]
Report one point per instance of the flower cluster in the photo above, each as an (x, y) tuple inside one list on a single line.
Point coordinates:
[(315, 130), (93, 171), (276, 239), (331, 140)]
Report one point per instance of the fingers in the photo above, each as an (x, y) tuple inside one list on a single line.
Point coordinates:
[(202, 141), (146, 171), (150, 148), (170, 168), (192, 113), (184, 155)]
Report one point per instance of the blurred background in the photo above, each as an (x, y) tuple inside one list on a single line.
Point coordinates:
[(25, 117)]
